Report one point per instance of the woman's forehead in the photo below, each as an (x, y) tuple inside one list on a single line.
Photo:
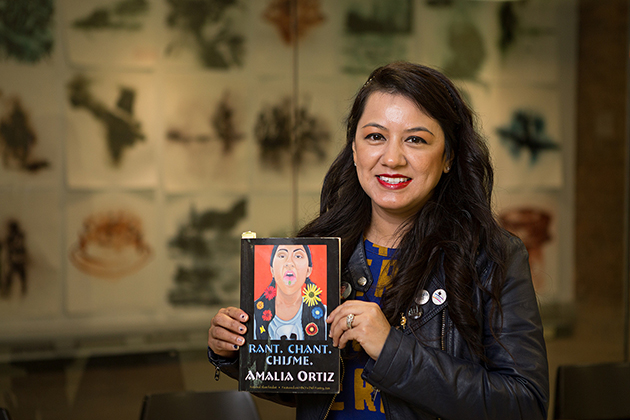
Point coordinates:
[(291, 248)]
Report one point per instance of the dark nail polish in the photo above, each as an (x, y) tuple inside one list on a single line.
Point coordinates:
[(235, 347)]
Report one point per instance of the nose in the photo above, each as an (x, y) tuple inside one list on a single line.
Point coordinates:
[(393, 154)]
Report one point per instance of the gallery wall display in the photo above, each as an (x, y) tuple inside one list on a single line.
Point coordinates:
[(30, 258), (139, 138)]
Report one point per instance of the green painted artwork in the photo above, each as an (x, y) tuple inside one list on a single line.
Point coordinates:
[(26, 32), (206, 27), (122, 129), (122, 15), (207, 251)]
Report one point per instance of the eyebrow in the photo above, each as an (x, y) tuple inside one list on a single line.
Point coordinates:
[(294, 251), (409, 130)]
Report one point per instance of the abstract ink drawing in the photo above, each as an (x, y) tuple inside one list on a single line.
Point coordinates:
[(26, 32), (222, 122), (468, 50), (224, 125), (527, 131), (18, 138), (123, 130), (206, 245), (273, 133), (439, 3), (512, 27), (380, 16), (13, 259), (123, 15), (531, 225), (111, 245), (377, 32), (208, 25), (309, 15)]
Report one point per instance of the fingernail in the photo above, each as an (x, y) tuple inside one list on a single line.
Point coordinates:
[(240, 340), (243, 316), (235, 347), (241, 329)]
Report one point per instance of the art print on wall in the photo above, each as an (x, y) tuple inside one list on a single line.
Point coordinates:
[(202, 244), (111, 138), (459, 40), (30, 278), (533, 217), (209, 34), (528, 41), (376, 32), (110, 241), (317, 135), (111, 32), (525, 138), (30, 127), (28, 34), (205, 133)]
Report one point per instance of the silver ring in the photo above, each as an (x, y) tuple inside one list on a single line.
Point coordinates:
[(349, 320)]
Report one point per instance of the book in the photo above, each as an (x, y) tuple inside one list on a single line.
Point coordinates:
[(288, 288)]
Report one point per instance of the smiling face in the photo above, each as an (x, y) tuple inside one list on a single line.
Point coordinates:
[(399, 153), (290, 268)]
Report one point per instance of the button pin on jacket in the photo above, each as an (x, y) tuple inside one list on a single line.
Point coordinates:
[(362, 281), (346, 289), (423, 298), (415, 312), (439, 297)]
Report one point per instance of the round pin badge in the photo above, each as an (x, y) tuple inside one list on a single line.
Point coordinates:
[(423, 298), (346, 289), (415, 312), (439, 297)]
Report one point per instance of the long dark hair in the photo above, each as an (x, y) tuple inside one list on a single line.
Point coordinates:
[(450, 230)]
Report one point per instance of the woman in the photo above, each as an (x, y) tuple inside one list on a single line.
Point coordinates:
[(444, 323), (281, 312)]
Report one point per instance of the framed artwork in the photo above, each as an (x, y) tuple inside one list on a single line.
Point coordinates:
[(111, 131), (111, 243)]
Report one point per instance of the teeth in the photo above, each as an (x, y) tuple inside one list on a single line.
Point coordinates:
[(393, 180)]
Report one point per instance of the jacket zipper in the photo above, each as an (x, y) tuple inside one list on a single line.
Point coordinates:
[(343, 368), (442, 346)]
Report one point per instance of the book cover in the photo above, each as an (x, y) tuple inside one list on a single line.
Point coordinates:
[(288, 287)]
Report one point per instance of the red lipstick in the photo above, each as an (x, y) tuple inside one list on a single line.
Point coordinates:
[(393, 181)]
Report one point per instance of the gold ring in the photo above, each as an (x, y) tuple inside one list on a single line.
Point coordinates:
[(349, 320)]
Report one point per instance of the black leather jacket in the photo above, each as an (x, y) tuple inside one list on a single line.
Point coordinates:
[(439, 377)]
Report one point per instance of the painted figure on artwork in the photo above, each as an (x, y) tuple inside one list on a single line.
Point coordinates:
[(123, 129), (18, 138), (16, 258), (290, 307)]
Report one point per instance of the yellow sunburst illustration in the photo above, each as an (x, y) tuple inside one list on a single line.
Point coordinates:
[(311, 295)]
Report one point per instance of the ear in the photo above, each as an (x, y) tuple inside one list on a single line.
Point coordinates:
[(309, 271), (448, 164), (354, 152)]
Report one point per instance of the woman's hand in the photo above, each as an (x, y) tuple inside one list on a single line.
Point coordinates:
[(369, 326), (226, 331)]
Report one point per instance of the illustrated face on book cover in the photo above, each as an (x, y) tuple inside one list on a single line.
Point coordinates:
[(290, 267), (291, 305)]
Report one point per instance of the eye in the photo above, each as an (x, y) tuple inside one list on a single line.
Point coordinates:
[(416, 140), (375, 136)]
